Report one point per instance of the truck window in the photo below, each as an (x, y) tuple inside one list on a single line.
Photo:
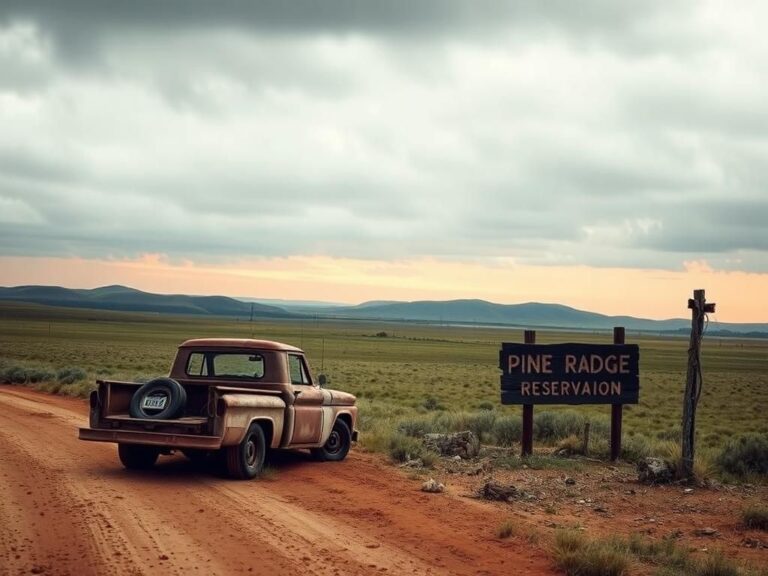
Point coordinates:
[(226, 365), (197, 365), (298, 370)]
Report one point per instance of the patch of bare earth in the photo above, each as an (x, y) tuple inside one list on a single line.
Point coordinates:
[(68, 507), (604, 500)]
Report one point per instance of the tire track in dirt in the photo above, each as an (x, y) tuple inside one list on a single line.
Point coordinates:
[(356, 517)]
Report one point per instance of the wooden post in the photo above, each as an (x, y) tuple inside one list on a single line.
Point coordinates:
[(529, 337), (617, 410), (699, 309)]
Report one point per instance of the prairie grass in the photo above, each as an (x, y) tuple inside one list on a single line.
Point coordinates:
[(745, 455), (506, 529), (419, 378), (579, 555), (755, 516)]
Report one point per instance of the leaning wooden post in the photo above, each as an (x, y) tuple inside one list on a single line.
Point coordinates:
[(529, 337), (699, 308), (617, 410)]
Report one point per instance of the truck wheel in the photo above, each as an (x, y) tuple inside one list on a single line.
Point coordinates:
[(137, 457), (159, 399), (246, 460), (337, 445)]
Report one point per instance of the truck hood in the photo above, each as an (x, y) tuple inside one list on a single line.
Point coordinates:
[(338, 398)]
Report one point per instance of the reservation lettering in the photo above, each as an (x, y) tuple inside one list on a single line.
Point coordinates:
[(570, 388)]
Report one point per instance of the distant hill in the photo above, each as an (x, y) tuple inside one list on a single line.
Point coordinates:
[(530, 314), (127, 299)]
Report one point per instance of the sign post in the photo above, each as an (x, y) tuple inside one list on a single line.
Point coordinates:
[(570, 374), (617, 410), (529, 337)]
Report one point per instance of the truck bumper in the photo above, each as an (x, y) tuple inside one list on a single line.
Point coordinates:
[(151, 438)]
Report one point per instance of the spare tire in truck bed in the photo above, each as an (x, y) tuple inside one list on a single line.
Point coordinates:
[(159, 399)]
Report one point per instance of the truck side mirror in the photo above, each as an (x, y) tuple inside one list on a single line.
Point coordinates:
[(322, 380)]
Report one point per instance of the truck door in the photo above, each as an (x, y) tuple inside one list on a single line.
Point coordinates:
[(308, 407)]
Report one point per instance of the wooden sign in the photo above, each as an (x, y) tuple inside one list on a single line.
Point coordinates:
[(569, 373)]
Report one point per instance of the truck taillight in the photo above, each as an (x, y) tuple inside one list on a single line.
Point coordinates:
[(93, 399), (221, 407)]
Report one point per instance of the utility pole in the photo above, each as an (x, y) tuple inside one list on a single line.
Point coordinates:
[(693, 380)]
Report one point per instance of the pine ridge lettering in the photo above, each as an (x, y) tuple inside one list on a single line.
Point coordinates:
[(569, 373)]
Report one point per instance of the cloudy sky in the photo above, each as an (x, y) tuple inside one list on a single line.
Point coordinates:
[(607, 155)]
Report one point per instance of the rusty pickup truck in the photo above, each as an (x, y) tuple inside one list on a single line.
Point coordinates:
[(225, 399)]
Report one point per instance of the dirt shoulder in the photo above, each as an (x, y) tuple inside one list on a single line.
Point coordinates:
[(68, 507)]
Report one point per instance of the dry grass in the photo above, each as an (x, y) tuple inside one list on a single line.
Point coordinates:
[(430, 376), (755, 516), (506, 529)]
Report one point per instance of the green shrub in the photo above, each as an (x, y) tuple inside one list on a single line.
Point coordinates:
[(14, 375), (507, 430), (481, 423), (553, 426), (745, 455), (71, 375), (37, 375), (415, 427), (486, 406), (755, 516), (432, 403), (636, 447), (403, 448)]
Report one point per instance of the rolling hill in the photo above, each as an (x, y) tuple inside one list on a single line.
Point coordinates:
[(126, 299), (529, 314)]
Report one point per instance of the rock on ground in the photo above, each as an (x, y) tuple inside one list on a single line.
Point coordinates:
[(654, 471), (432, 485), (464, 444), (493, 491)]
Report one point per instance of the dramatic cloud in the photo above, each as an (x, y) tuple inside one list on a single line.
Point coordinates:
[(591, 133)]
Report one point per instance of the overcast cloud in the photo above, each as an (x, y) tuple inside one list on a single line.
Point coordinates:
[(599, 133)]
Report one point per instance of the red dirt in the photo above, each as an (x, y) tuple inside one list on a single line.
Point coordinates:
[(68, 507)]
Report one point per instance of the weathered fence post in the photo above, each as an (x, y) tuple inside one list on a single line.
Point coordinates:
[(617, 410), (529, 337), (693, 380)]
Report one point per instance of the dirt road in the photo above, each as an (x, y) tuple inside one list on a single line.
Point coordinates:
[(68, 507)]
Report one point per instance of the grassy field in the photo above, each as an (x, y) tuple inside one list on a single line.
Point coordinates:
[(415, 371)]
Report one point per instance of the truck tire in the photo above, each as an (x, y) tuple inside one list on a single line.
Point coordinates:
[(137, 457), (246, 460), (167, 390), (337, 445)]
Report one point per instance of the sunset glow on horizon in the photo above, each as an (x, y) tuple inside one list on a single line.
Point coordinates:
[(646, 293)]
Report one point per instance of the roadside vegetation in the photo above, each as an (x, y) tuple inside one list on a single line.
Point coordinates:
[(578, 555), (755, 516), (422, 378)]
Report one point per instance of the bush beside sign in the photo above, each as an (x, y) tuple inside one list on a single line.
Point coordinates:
[(569, 373)]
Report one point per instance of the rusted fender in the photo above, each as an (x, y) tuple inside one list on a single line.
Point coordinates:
[(337, 398), (242, 409)]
